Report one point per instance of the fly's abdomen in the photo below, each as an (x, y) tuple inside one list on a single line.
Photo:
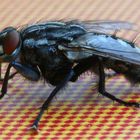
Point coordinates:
[(130, 71)]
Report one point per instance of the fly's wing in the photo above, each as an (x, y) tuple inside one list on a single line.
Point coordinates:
[(107, 26), (104, 46)]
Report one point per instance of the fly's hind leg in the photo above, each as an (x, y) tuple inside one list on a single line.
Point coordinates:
[(102, 89)]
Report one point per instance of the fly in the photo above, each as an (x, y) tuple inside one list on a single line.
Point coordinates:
[(61, 51)]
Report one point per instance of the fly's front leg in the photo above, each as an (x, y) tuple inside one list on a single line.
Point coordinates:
[(1, 72), (28, 71), (103, 91), (10, 76), (48, 101), (5, 81)]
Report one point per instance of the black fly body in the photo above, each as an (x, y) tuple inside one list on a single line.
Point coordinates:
[(60, 52)]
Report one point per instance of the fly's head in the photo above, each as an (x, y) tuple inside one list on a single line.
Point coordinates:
[(10, 44)]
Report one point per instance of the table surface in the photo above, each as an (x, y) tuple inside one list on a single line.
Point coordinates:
[(77, 112)]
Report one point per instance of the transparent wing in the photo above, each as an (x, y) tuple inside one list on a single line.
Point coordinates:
[(107, 26)]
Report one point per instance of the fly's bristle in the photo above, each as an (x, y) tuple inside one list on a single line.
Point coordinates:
[(136, 38)]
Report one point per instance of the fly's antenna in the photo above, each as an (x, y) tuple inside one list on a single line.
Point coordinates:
[(135, 38)]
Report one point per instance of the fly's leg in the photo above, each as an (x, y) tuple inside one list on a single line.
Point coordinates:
[(103, 91), (1, 72), (5, 81), (49, 99), (10, 76), (31, 73), (27, 71)]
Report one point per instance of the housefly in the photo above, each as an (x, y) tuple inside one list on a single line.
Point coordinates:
[(60, 51)]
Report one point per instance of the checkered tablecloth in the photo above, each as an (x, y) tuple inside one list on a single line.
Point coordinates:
[(77, 112)]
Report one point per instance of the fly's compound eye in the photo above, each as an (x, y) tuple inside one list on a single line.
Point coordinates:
[(10, 42)]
